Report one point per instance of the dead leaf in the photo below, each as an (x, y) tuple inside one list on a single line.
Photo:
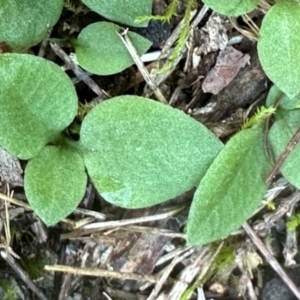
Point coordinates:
[(228, 64), (213, 36)]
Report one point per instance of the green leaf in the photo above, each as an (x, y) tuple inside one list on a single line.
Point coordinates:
[(232, 8), (287, 123), (139, 152), (55, 183), (231, 189), (122, 11), (100, 50), (25, 23), (38, 100), (278, 46), (285, 102)]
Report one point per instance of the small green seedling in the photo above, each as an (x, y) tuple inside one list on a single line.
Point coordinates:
[(136, 151)]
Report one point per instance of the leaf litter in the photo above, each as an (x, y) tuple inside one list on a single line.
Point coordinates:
[(10, 169)]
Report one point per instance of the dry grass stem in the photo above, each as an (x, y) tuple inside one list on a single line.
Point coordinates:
[(178, 251), (101, 273), (15, 201), (153, 230), (167, 271), (198, 267), (119, 223), (247, 33), (132, 51)]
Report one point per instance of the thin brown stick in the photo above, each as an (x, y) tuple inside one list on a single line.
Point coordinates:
[(132, 51), (101, 273), (15, 201), (20, 272), (44, 44), (283, 156), (271, 260), (119, 223), (82, 75)]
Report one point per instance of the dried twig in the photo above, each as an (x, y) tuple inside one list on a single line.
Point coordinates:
[(114, 224), (65, 287), (79, 72), (158, 231), (271, 260), (168, 256), (200, 265), (20, 272), (15, 201), (283, 156), (45, 43), (167, 272), (74, 225), (132, 51), (100, 273)]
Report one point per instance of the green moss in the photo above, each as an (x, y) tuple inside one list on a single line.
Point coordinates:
[(171, 11), (34, 266), (10, 291)]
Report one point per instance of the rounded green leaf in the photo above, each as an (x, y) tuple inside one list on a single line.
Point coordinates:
[(100, 50), (276, 94), (287, 123), (231, 189), (139, 152), (232, 8), (25, 23), (278, 46), (122, 11), (55, 183), (37, 101)]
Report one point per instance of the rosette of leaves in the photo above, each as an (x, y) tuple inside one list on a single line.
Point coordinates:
[(137, 152)]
